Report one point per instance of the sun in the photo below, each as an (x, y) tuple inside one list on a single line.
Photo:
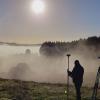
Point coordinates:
[(38, 6)]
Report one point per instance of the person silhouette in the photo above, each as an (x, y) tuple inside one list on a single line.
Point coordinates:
[(77, 77)]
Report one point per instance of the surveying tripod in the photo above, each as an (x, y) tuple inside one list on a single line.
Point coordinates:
[(94, 95)]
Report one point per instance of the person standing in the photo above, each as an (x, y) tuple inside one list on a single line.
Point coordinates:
[(77, 77)]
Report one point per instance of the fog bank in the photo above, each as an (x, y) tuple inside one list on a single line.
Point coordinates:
[(46, 69)]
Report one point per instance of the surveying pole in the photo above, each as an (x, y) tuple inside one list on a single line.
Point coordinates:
[(68, 55)]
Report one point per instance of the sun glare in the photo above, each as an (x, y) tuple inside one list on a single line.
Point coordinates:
[(38, 6)]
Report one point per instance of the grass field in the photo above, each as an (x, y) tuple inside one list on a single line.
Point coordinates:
[(21, 90)]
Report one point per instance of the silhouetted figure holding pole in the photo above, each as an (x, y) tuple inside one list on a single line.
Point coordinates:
[(77, 76)]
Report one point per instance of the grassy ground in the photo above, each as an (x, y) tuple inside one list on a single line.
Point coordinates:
[(21, 90)]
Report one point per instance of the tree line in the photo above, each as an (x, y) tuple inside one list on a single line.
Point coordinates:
[(57, 48)]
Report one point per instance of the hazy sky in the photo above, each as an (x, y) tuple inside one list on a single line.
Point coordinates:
[(64, 20)]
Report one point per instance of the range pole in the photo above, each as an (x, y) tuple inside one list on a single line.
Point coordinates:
[(68, 55)]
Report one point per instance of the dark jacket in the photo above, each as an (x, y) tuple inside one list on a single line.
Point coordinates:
[(77, 73)]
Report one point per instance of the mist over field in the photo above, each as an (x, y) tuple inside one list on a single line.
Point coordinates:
[(53, 69)]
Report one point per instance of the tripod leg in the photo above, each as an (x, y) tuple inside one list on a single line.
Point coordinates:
[(94, 95)]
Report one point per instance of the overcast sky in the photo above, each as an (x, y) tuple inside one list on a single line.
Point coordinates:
[(63, 20)]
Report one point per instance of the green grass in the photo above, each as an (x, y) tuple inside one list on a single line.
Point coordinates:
[(21, 90)]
